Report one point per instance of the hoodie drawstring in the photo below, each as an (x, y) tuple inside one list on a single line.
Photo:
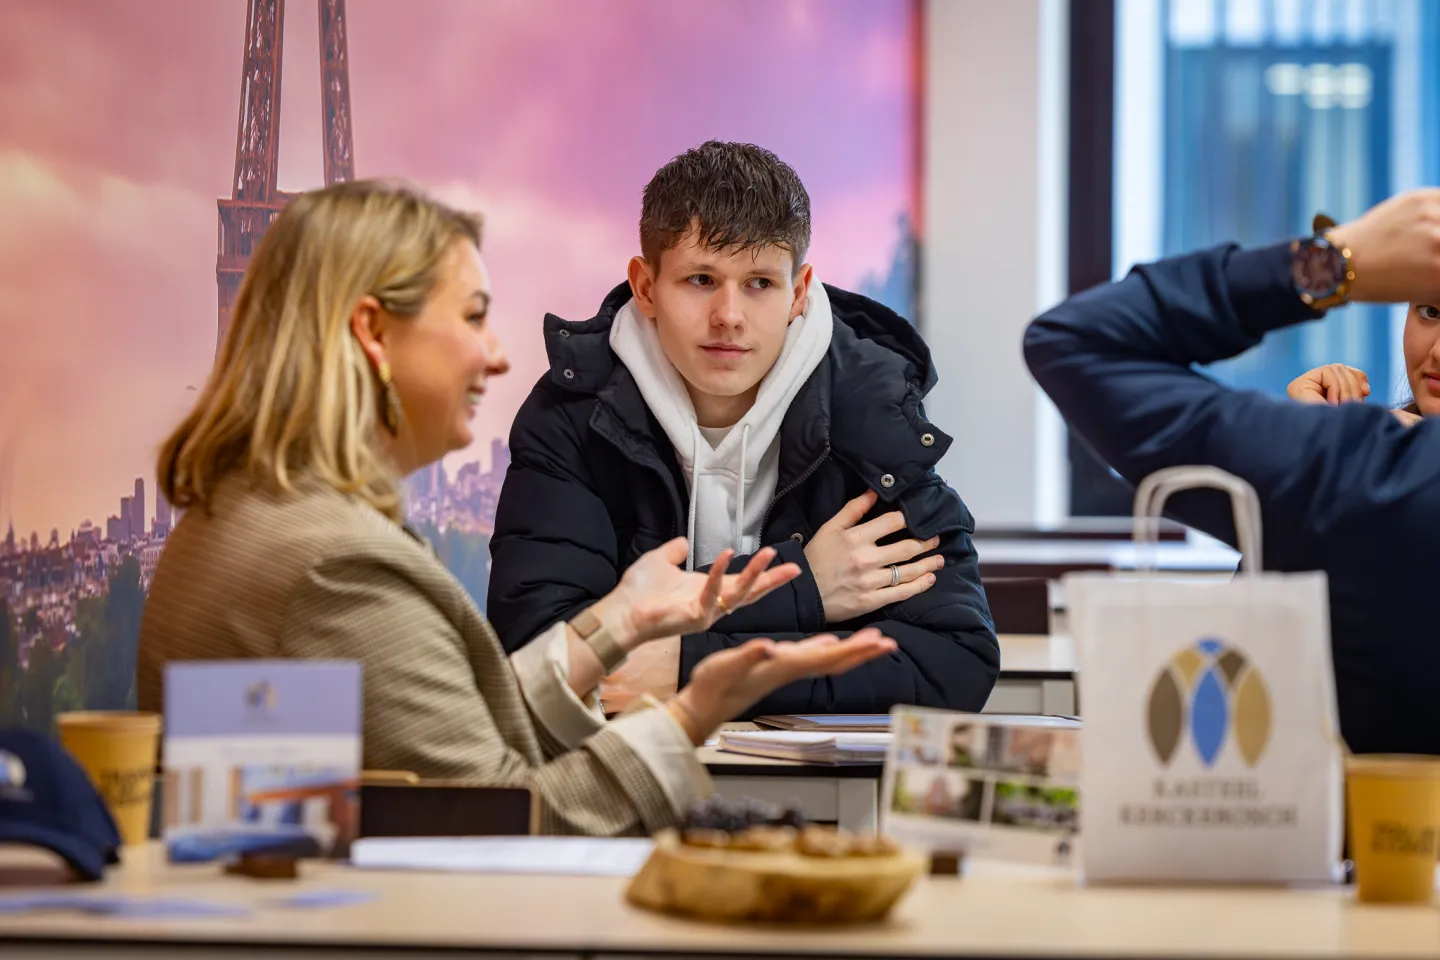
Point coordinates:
[(737, 526), (695, 440), (739, 530)]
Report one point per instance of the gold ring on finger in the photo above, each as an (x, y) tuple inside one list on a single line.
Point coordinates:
[(894, 575)]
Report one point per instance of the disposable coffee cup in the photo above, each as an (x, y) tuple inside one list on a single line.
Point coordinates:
[(117, 749), (1394, 813)]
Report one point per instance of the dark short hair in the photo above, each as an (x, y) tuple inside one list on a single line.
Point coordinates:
[(742, 197)]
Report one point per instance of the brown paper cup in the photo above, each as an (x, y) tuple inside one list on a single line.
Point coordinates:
[(117, 749), (1394, 811)]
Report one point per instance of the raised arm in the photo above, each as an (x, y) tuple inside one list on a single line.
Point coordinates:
[(1117, 359)]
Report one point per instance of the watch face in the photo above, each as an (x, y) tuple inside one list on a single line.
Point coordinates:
[(1316, 269)]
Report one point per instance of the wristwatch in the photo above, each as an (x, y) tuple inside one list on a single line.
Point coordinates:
[(597, 636), (1321, 271)]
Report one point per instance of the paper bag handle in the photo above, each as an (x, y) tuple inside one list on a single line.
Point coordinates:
[(1155, 489)]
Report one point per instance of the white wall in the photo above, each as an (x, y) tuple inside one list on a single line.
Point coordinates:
[(1139, 85), (996, 106)]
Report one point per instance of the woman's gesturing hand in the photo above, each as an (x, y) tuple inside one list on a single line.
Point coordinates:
[(656, 598), (728, 682)]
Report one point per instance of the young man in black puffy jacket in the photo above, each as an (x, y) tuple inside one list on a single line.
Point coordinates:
[(724, 395)]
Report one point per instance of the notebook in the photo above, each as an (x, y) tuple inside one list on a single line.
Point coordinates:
[(832, 748), (828, 722)]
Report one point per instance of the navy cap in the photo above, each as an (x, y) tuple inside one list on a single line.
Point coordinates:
[(47, 801)]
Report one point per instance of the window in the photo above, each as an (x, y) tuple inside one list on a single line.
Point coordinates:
[(1239, 120)]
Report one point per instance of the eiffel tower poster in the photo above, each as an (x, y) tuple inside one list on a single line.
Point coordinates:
[(255, 200)]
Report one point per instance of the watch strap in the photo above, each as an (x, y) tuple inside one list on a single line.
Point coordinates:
[(597, 636)]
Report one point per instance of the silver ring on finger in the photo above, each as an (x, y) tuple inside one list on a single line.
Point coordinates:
[(894, 575)]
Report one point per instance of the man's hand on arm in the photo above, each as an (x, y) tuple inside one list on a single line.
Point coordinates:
[(853, 571)]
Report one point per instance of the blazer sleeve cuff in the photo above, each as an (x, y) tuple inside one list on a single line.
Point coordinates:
[(663, 746), (542, 668)]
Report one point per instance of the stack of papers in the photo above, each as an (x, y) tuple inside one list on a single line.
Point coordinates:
[(571, 856), (832, 748)]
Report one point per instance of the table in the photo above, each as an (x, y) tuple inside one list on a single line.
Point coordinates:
[(1075, 528), (1053, 558), (998, 910), (1037, 675)]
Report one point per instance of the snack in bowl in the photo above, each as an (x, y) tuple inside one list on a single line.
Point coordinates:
[(749, 862)]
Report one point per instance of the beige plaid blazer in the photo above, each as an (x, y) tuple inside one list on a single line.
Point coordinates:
[(317, 575)]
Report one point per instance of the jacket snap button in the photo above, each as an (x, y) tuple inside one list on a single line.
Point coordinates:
[(798, 537), (569, 374), (564, 334), (887, 481), (928, 440)]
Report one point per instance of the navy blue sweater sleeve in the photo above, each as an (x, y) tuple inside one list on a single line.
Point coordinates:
[(1116, 362)]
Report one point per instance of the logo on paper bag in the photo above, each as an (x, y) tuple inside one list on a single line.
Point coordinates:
[(1207, 694), (260, 697)]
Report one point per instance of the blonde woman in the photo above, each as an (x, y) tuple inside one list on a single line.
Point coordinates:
[(358, 350)]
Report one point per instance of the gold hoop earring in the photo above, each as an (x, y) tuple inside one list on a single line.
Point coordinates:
[(390, 399)]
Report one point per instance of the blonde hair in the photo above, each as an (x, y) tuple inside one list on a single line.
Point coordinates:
[(292, 399)]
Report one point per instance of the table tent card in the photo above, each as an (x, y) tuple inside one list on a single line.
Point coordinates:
[(985, 785), (1212, 745), (261, 756)]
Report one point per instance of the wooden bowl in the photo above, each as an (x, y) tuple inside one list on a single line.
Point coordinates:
[(729, 885)]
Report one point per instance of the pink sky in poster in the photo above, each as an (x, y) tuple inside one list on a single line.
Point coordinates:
[(117, 135)]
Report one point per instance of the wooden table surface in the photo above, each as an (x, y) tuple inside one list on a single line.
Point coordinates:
[(1036, 656), (997, 911)]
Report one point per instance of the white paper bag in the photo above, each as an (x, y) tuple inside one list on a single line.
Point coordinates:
[(1211, 742)]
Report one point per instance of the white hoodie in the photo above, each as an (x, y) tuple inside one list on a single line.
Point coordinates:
[(732, 472)]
